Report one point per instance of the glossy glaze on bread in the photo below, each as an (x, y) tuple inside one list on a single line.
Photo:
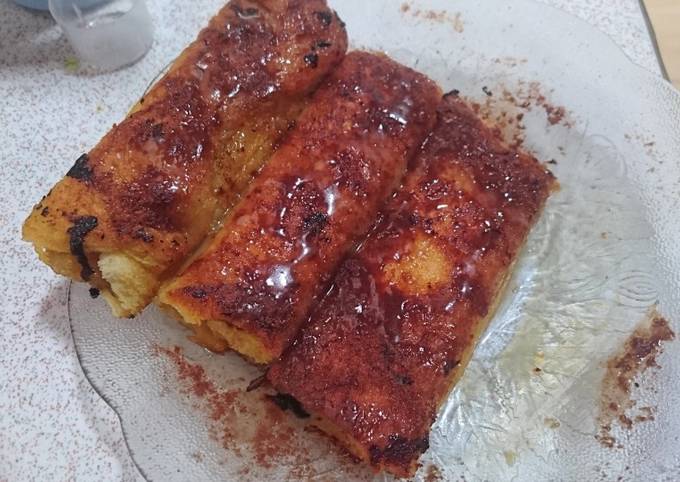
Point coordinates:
[(394, 334), (321, 192), (135, 207)]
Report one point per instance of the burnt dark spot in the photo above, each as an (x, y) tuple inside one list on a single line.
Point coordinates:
[(399, 450), (94, 293), (428, 226), (82, 226), (375, 453), (337, 17), (286, 402), (322, 44), (325, 18), (256, 383), (552, 161), (45, 211), (245, 13), (196, 293), (157, 131), (487, 91), (143, 235), (141, 101), (403, 379), (449, 365), (81, 170), (312, 60), (452, 93), (315, 223)]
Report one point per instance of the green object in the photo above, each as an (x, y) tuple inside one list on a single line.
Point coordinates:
[(71, 64)]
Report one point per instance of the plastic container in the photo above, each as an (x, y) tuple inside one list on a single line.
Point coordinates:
[(106, 34), (43, 4)]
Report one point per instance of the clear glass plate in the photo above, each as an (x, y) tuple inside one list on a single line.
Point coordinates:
[(603, 255)]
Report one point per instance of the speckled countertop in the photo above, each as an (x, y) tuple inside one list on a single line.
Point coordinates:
[(53, 424)]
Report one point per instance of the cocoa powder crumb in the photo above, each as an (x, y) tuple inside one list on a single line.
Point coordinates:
[(639, 353), (442, 16), (433, 474)]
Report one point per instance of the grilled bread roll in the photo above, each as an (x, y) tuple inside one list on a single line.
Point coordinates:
[(132, 210), (394, 334), (276, 253)]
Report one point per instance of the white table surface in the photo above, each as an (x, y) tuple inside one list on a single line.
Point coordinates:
[(53, 426)]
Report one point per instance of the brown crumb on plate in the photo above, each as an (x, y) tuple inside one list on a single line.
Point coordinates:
[(253, 428), (505, 107), (438, 16), (433, 474), (639, 353), (552, 423)]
